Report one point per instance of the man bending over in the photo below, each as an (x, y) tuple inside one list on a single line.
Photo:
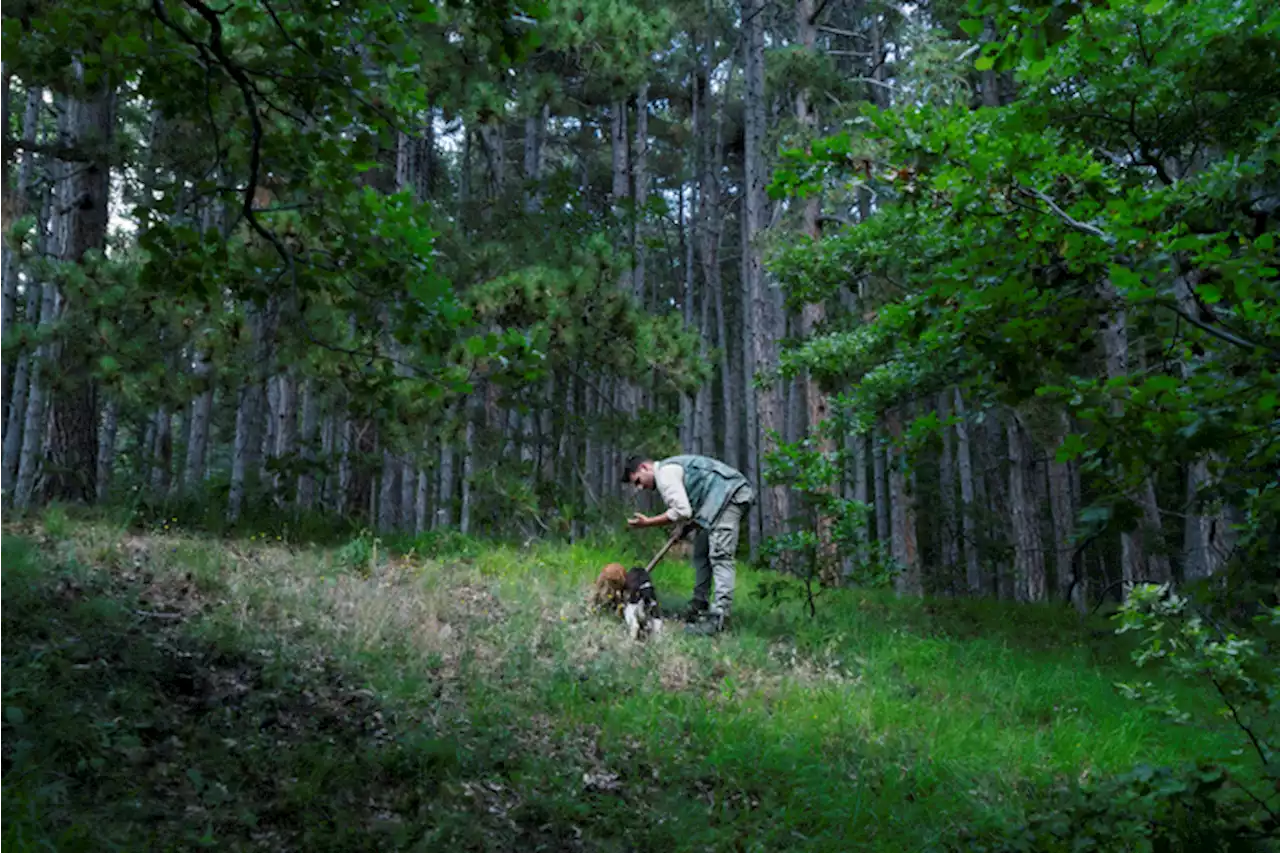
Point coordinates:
[(713, 497)]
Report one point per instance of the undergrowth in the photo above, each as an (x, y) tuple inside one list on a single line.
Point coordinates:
[(165, 691)]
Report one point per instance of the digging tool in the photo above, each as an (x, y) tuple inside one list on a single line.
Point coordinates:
[(675, 537)]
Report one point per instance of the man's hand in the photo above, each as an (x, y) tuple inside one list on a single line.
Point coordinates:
[(642, 520)]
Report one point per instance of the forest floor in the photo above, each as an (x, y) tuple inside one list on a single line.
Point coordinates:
[(171, 691)]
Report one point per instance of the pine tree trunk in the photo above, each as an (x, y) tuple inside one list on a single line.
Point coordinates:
[(910, 581), (711, 236), (468, 473), (1115, 339), (79, 225), (389, 492), (286, 433), (161, 452), (640, 175), (1062, 503), (750, 402), (879, 460), (408, 493), (310, 422), (950, 541), (346, 449), (814, 314), (35, 418), (994, 446), (15, 206), (9, 204), (422, 498), (964, 459), (107, 447), (444, 500), (857, 447), (17, 410), (1205, 537), (765, 327), (249, 409), (1029, 573)]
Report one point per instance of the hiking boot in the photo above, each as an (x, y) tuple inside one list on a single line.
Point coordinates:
[(695, 611), (709, 625)]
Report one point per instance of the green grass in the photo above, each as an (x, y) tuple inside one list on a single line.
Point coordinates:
[(163, 692)]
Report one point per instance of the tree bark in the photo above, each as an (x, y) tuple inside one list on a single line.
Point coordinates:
[(1206, 537), (950, 538), (310, 422), (107, 447), (249, 409), (964, 458), (161, 452), (15, 204), (79, 225), (879, 475), (1062, 504), (1029, 573), (640, 175), (1136, 564), (910, 581)]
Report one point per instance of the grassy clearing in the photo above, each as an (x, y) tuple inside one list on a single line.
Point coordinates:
[(163, 692)]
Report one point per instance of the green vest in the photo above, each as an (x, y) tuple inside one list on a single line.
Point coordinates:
[(710, 484)]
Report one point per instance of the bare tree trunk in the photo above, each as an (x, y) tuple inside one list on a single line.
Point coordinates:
[(107, 447), (640, 175), (711, 215), (389, 491), (857, 446), (1205, 537), (408, 492), (468, 473), (422, 497), (950, 540), (286, 431), (814, 314), (17, 410), (15, 204), (1029, 571), (687, 429), (750, 402), (444, 500), (996, 477), (346, 448), (162, 452), (1133, 560), (310, 421), (33, 427), (881, 488), (1062, 503), (79, 225), (249, 410), (763, 330), (621, 175), (972, 569), (9, 206), (903, 515)]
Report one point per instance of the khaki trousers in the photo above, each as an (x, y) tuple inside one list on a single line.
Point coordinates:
[(713, 553)]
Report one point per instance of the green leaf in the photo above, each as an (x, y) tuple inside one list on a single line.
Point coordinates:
[(1155, 7), (985, 63), (971, 26), (1210, 293), (14, 715), (1072, 446)]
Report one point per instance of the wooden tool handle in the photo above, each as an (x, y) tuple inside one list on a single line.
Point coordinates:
[(679, 531)]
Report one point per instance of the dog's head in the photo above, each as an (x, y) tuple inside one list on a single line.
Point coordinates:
[(640, 589), (610, 586)]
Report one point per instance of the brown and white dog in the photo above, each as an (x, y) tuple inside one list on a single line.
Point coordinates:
[(631, 593)]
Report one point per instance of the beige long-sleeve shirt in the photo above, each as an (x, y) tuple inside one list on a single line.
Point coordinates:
[(669, 480)]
